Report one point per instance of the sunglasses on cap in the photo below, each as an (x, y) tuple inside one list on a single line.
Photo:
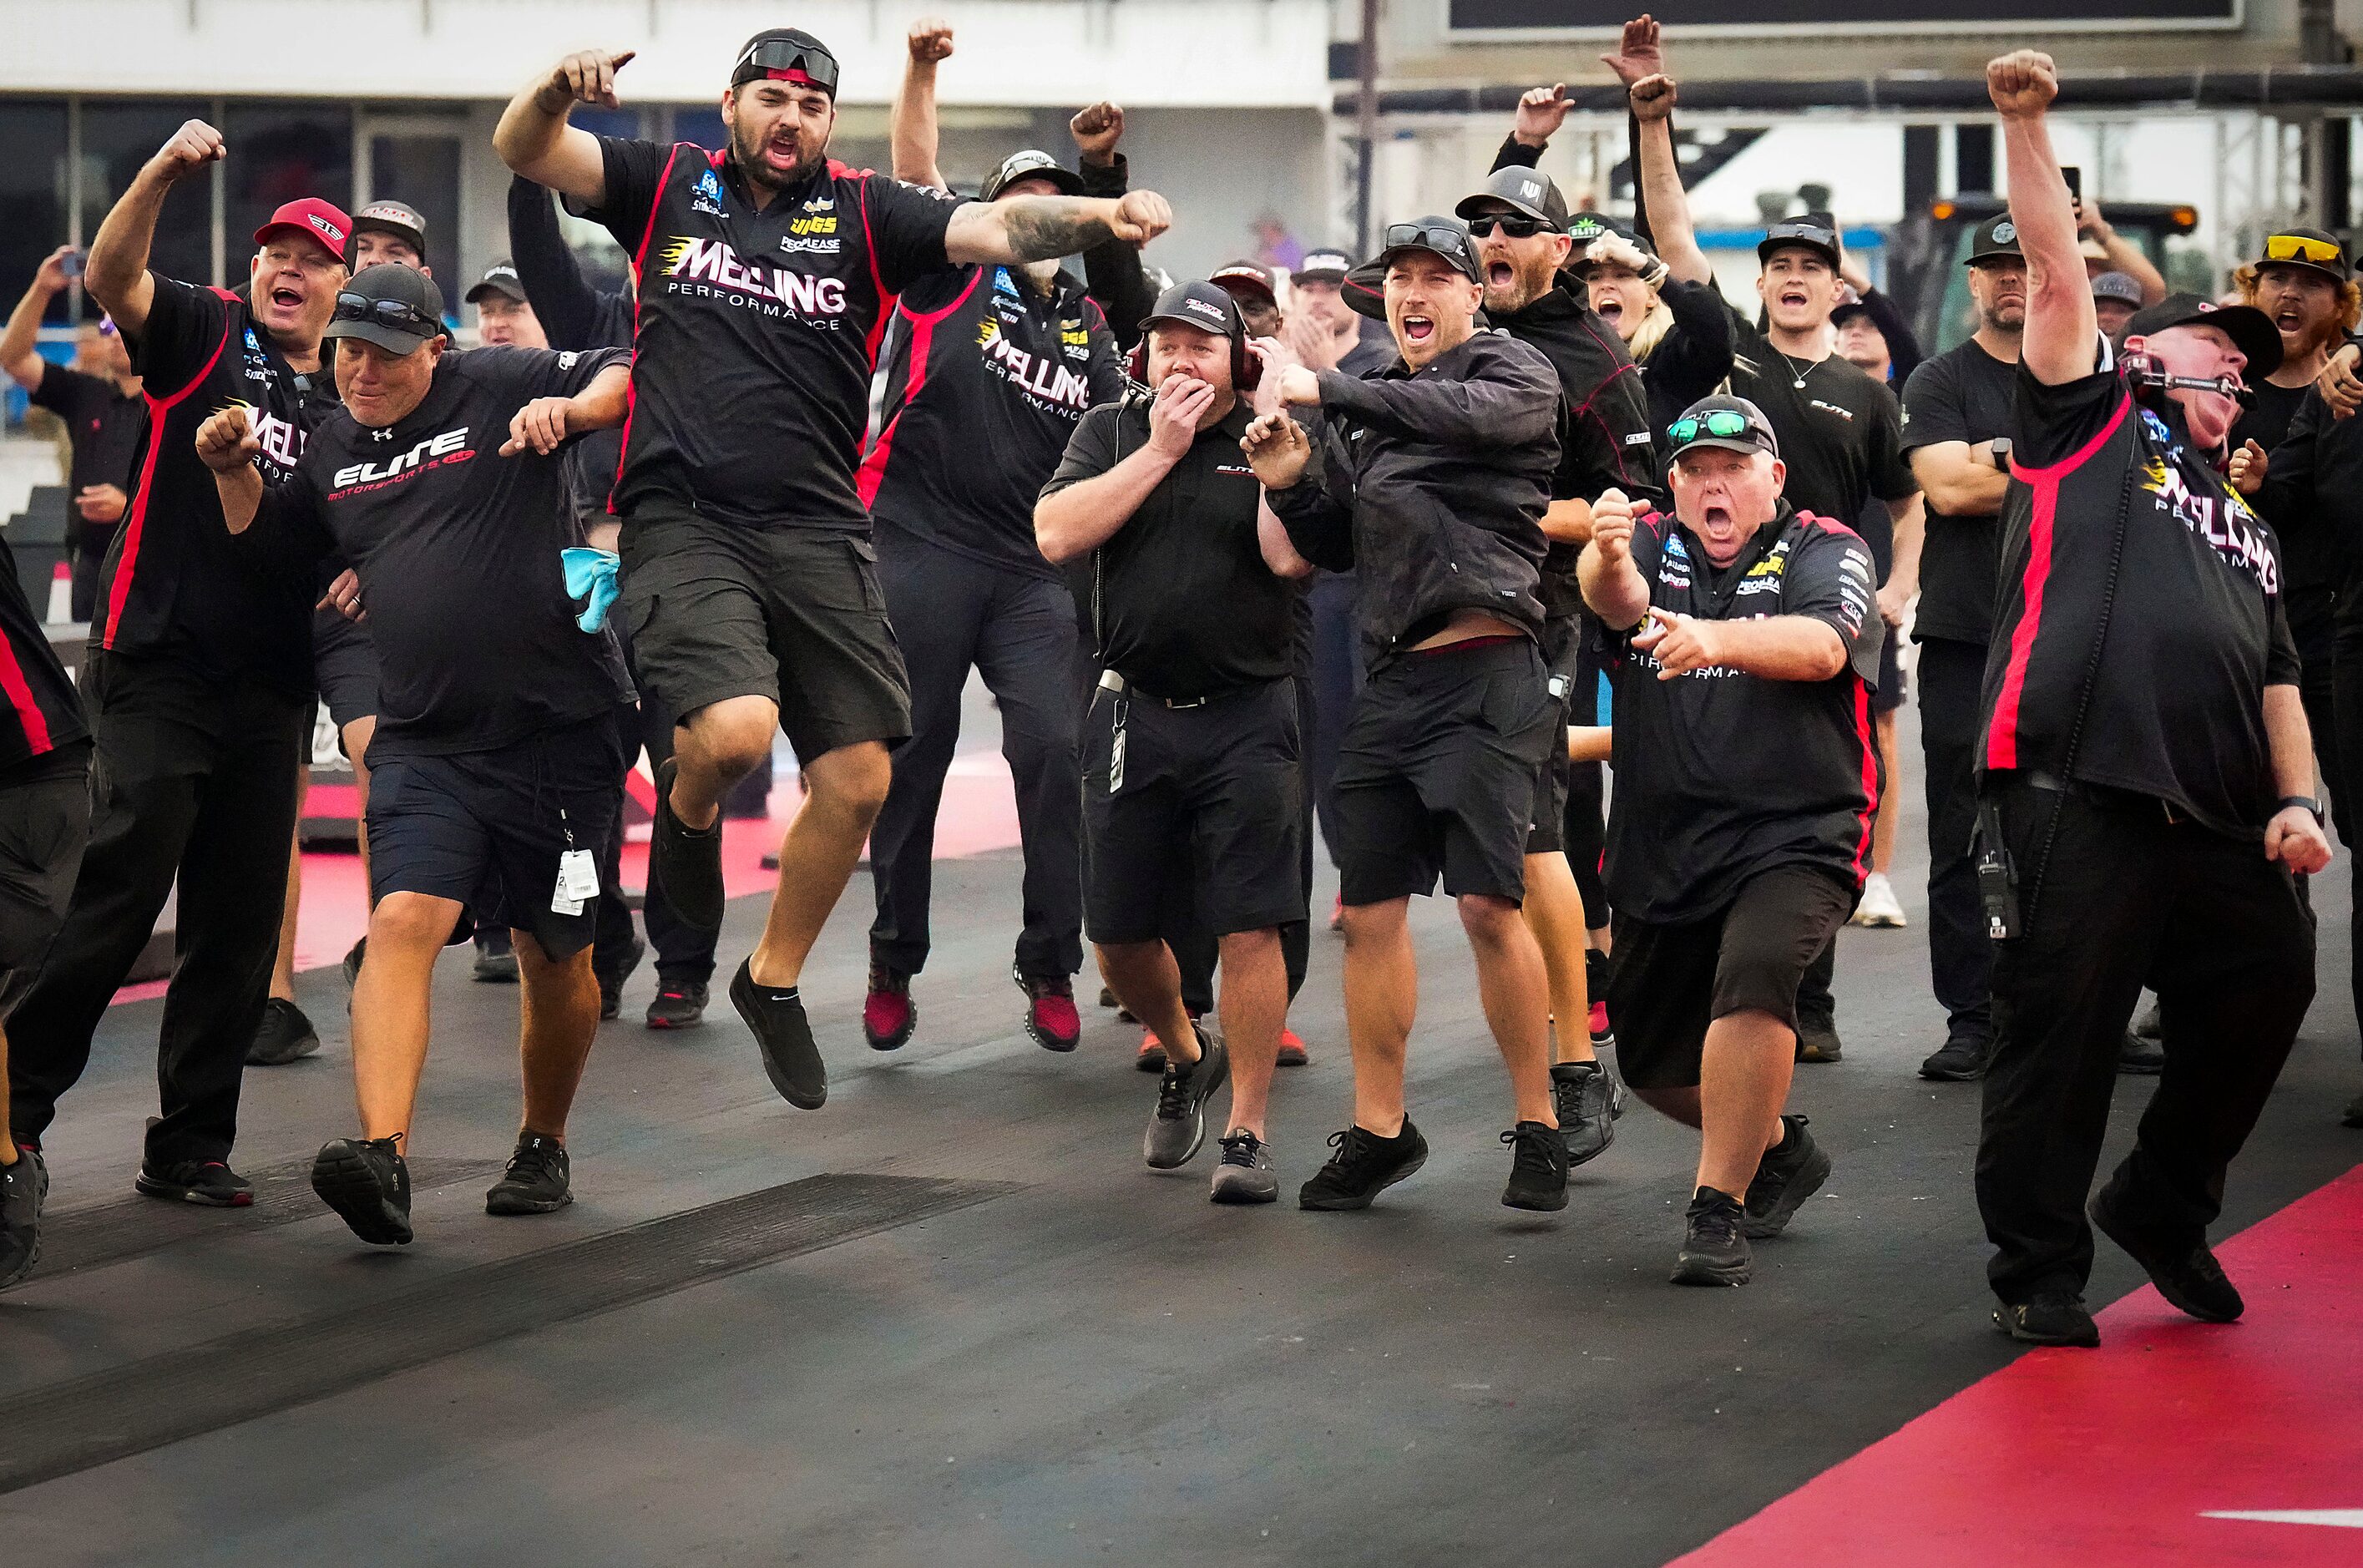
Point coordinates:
[(1514, 227), (391, 313), (781, 60), (1425, 237), (1721, 422), (2301, 247)]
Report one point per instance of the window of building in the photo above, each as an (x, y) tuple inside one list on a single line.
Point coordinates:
[(33, 181), (279, 152), (116, 139)]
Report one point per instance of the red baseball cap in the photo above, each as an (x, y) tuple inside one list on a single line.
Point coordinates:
[(323, 222)]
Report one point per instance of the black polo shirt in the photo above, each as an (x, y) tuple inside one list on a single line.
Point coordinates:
[(758, 329), (458, 552), (2140, 616), (1962, 395), (1186, 606), (987, 377), (174, 585), (1841, 432), (103, 424), (40, 710), (1721, 775)]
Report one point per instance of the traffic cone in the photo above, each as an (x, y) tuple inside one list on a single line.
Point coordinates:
[(60, 594)]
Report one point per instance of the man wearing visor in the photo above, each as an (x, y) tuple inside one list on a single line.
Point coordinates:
[(766, 274), (1435, 477), (1746, 778), (198, 684), (497, 753)]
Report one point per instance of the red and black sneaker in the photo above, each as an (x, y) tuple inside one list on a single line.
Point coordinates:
[(1292, 1049), (1050, 1016), (889, 1017), (678, 1004), (207, 1181), (1151, 1057)]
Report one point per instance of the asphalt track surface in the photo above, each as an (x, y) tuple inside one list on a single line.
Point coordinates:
[(950, 1318)]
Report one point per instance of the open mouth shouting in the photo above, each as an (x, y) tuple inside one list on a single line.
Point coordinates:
[(1795, 296), (1501, 275), (287, 297), (1419, 328), (1611, 310)]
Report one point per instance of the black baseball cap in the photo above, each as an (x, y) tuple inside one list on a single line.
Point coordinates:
[(1323, 267), (501, 277), (1439, 236), (2310, 247), (398, 218), (1032, 165), (1742, 427), (1527, 191), (1208, 306), (1252, 276), (1847, 310), (2250, 329), (1814, 231), (786, 54), (397, 307), (1996, 240)]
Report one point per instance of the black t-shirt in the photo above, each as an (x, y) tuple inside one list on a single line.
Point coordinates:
[(1722, 776), (1962, 395), (2184, 616), (40, 710), (2309, 546), (1186, 606), (987, 378), (456, 549), (174, 584), (758, 330), (103, 425), (1841, 432)]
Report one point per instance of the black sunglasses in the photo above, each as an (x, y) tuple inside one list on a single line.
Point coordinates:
[(1426, 237), (1515, 228), (771, 60), (391, 313), (1722, 422)]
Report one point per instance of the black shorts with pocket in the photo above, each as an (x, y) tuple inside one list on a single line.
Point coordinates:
[(1666, 982), (789, 613), (1436, 772), (344, 666), (44, 823), (1209, 801), (485, 828)]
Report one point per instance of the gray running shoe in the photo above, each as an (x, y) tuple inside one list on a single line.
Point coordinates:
[(1245, 1174), (1179, 1126)]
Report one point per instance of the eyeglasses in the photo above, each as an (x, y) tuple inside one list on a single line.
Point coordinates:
[(391, 313), (1723, 422), (781, 56), (1515, 228), (2301, 248)]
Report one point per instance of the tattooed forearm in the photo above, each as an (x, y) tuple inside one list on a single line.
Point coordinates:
[(1041, 228)]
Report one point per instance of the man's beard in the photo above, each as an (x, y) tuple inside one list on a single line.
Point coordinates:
[(1994, 323), (749, 154)]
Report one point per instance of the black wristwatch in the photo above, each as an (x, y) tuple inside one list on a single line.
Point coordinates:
[(2309, 802)]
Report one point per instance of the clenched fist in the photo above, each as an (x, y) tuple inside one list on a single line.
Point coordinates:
[(191, 148), (2023, 83), (227, 441), (1140, 217), (1097, 128), (930, 40), (1612, 527)]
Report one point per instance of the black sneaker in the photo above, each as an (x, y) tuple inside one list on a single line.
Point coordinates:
[(611, 985), (367, 1181), (1364, 1166), (539, 1180), (678, 1004), (2053, 1317), (23, 1185), (686, 864), (1177, 1128), (1819, 1043), (207, 1181), (1584, 1096), (2139, 1058), (791, 1058), (1962, 1059), (1714, 1248), (352, 964), (495, 959), (1787, 1175), (2184, 1270), (1538, 1161), (284, 1035)]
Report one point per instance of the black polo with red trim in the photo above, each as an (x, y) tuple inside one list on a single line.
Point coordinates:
[(40, 711), (1722, 776), (2139, 617), (174, 585), (756, 329), (987, 375)]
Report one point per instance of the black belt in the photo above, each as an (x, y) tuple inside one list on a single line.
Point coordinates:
[(2107, 797), (1112, 682)]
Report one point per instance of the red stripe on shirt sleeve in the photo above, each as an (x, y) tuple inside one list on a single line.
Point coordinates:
[(118, 593), (923, 342)]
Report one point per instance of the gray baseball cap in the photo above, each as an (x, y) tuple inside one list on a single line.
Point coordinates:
[(397, 307)]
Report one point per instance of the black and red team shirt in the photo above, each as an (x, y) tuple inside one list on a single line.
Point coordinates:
[(456, 550), (756, 331), (39, 712), (987, 376), (103, 424), (174, 585), (2140, 612), (1721, 775)]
